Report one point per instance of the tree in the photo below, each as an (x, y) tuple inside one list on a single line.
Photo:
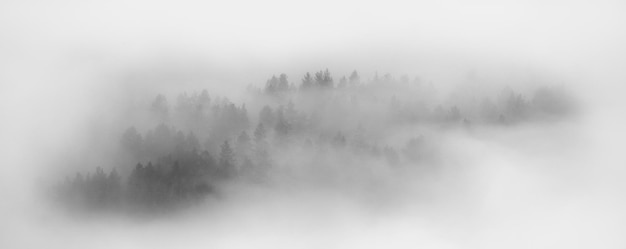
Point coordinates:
[(191, 142), (290, 112), (114, 187), (343, 82), (259, 133), (354, 78), (339, 140), (243, 120), (243, 144), (161, 141), (271, 85), (283, 83), (307, 81), (227, 160), (243, 139), (261, 154), (516, 106), (282, 126), (204, 100), (266, 116), (160, 108), (276, 85), (454, 114), (99, 187), (323, 79), (132, 142), (136, 181)]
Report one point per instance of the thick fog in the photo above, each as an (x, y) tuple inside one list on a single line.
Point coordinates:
[(283, 124)]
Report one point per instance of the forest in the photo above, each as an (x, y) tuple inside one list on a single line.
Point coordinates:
[(319, 129)]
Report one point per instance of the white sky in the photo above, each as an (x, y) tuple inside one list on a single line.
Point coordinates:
[(258, 33)]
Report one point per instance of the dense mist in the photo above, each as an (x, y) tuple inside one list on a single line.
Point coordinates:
[(323, 125)]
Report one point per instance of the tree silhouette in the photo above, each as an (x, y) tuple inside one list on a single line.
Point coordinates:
[(307, 82), (160, 108), (267, 116), (259, 133), (355, 78), (227, 161), (323, 79)]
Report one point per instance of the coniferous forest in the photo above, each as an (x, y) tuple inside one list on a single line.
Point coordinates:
[(312, 125), (317, 129)]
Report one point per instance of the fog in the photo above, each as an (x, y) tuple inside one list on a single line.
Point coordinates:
[(491, 124)]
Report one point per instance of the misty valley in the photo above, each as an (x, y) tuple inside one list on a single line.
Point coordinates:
[(353, 133)]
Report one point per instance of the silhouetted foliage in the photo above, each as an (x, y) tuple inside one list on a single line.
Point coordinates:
[(227, 161), (323, 79)]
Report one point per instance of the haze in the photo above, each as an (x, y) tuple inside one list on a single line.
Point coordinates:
[(75, 75)]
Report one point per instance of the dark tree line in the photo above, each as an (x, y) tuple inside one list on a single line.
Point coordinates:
[(177, 178)]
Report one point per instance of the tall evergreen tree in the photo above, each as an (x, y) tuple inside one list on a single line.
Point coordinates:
[(267, 116), (323, 79), (259, 133), (354, 78), (227, 160), (307, 81), (160, 108)]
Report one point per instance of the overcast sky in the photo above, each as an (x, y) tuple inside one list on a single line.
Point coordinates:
[(277, 34)]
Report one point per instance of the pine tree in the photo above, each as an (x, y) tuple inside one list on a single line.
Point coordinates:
[(307, 82), (354, 78), (259, 133), (282, 126), (227, 160), (114, 187), (160, 108), (266, 116), (283, 83), (323, 79), (343, 82), (243, 144)]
